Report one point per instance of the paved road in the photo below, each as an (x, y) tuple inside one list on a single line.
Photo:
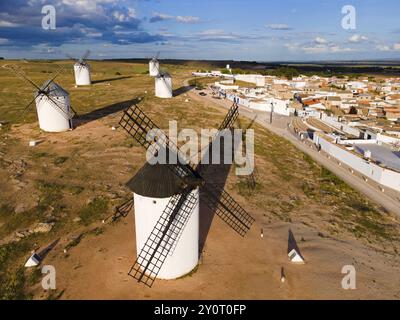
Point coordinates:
[(390, 200)]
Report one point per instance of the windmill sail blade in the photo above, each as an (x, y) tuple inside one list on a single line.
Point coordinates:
[(167, 84), (230, 118), (228, 209), (124, 208), (60, 69), (157, 55), (163, 237), (227, 123), (30, 103), (68, 115), (71, 57), (20, 74), (158, 68), (138, 125), (86, 55)]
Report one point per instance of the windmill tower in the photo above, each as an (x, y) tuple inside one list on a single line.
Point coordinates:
[(163, 80), (163, 85), (154, 66), (154, 187), (82, 70), (166, 200), (53, 105)]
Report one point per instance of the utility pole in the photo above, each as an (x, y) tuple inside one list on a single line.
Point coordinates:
[(272, 111)]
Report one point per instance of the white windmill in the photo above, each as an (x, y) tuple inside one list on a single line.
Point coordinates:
[(163, 85), (154, 187), (166, 202), (82, 70), (154, 66), (53, 105)]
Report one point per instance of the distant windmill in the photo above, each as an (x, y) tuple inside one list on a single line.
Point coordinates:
[(53, 105), (163, 83), (154, 66), (82, 70), (166, 200)]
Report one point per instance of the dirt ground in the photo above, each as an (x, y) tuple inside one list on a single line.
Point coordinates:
[(75, 179), (248, 268)]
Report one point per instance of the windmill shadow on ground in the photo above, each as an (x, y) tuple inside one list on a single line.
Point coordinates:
[(104, 112), (45, 251), (182, 90), (292, 244), (216, 175), (111, 79)]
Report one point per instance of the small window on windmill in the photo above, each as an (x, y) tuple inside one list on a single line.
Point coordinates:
[(292, 255), (154, 201)]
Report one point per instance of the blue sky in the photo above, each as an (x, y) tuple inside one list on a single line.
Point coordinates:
[(208, 29)]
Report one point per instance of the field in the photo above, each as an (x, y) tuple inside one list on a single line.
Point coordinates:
[(71, 181)]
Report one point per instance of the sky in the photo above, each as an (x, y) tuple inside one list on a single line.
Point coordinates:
[(259, 30)]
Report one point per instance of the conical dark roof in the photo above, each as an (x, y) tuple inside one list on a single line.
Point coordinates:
[(155, 181), (53, 89)]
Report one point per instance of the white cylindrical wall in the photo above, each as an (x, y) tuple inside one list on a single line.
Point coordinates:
[(82, 75), (185, 256), (163, 87), (51, 119), (154, 68)]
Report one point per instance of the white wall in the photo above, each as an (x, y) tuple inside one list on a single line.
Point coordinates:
[(51, 119), (154, 68), (385, 177), (332, 121), (257, 79), (280, 106), (185, 256), (82, 75), (387, 139), (357, 141), (163, 87), (225, 86)]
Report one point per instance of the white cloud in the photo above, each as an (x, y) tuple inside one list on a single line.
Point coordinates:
[(383, 48), (3, 41), (396, 46), (90, 32), (320, 40), (324, 48), (315, 49), (92, 6), (355, 38), (216, 34), (279, 26), (187, 19), (4, 23), (157, 17)]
